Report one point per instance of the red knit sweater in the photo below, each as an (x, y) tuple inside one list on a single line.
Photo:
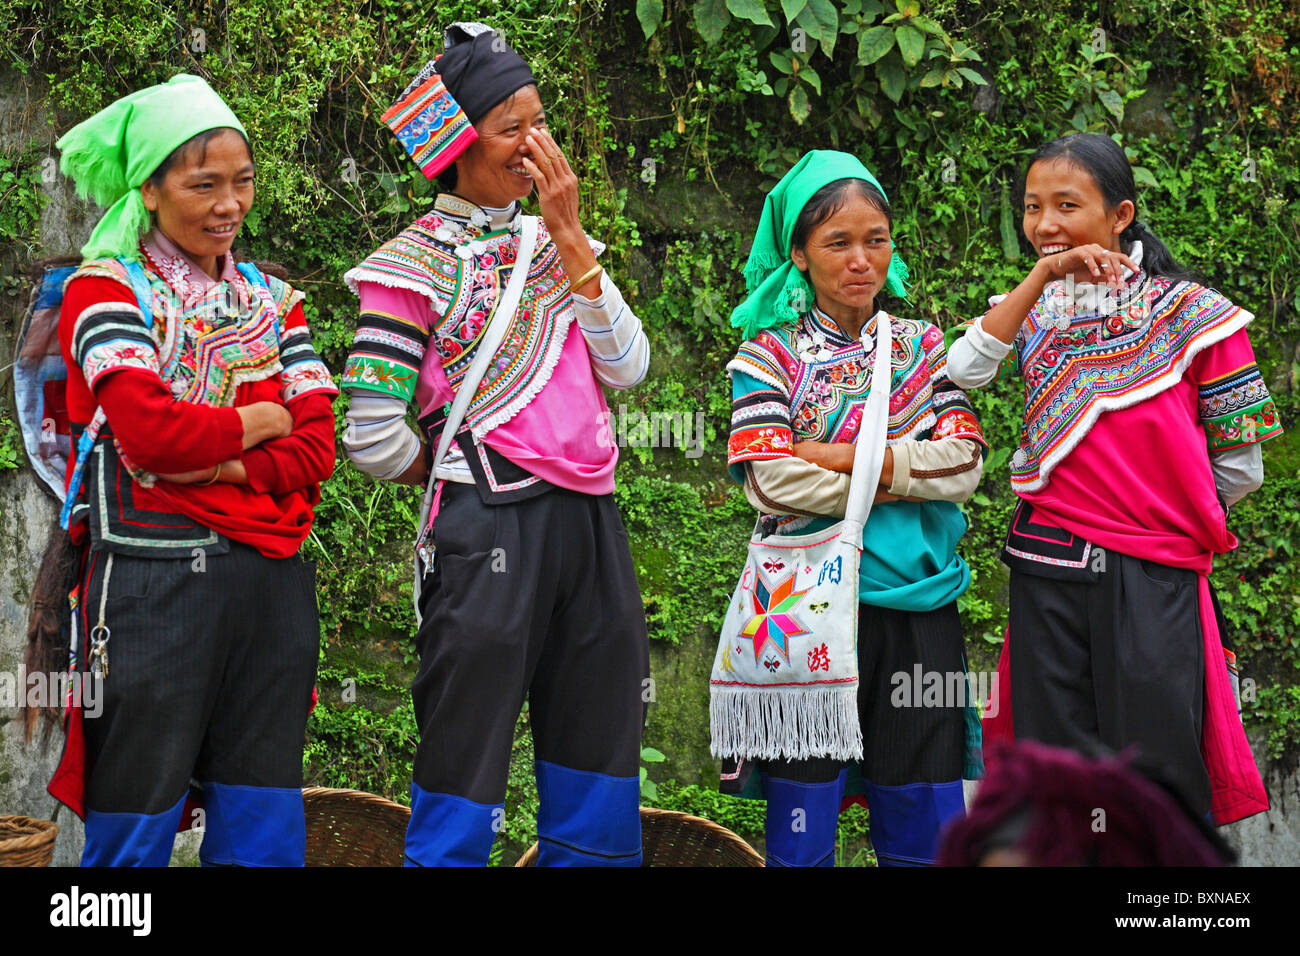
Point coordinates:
[(273, 512)]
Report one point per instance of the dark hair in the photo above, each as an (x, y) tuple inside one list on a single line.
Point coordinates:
[(829, 200), (200, 142), (1104, 160)]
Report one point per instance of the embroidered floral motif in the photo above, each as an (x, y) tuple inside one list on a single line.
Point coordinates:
[(826, 397), (1071, 377), (464, 283)]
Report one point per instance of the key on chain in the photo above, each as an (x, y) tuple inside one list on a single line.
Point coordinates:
[(100, 633), (99, 650)]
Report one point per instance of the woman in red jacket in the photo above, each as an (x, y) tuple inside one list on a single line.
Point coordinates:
[(212, 427)]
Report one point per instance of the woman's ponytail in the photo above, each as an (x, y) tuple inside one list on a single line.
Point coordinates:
[(1157, 260)]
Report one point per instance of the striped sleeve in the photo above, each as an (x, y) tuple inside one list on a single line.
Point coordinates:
[(390, 341), (110, 333), (304, 372), (619, 349), (1234, 403), (760, 424)]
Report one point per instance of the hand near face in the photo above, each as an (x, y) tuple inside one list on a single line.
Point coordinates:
[(557, 185), (1103, 265)]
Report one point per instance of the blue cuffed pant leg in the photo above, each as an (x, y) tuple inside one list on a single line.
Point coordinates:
[(447, 830), (130, 839), (906, 820), (801, 820), (587, 818), (252, 826)]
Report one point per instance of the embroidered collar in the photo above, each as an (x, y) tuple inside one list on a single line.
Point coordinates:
[(819, 336), (1064, 300), (188, 279), (461, 223)]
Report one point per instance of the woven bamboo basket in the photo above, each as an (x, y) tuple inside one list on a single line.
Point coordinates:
[(25, 841), (352, 828), (669, 838)]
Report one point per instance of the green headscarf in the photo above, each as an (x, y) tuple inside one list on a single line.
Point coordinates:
[(110, 155), (773, 284)]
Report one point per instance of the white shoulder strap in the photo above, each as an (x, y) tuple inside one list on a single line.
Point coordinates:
[(486, 349), (869, 457)]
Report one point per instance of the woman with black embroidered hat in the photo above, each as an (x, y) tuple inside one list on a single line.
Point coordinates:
[(525, 584)]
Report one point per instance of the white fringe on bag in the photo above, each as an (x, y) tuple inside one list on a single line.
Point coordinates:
[(779, 723)]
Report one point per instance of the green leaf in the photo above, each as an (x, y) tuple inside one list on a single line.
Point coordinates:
[(651, 14), (1144, 177), (1007, 226), (800, 106), (911, 43), (867, 107), (782, 62), (792, 9), (810, 77), (1112, 101), (874, 43), (711, 18), (928, 25), (751, 10), (821, 21), (650, 755), (872, 9), (972, 75), (893, 81), (934, 77)]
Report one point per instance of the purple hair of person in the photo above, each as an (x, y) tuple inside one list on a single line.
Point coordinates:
[(1057, 793)]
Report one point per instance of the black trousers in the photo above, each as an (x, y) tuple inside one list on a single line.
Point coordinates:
[(210, 666), (1111, 663), (535, 598), (913, 747), (210, 675), (902, 743)]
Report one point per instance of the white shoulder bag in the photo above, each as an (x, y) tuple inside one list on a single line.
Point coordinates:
[(785, 678)]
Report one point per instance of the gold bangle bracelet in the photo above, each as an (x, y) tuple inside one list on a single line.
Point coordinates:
[(215, 475), (586, 277)]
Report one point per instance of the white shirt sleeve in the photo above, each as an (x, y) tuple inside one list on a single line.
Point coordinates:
[(377, 439), (1237, 472), (974, 358), (619, 349)]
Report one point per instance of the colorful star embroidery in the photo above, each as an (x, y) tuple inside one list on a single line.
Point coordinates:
[(773, 623)]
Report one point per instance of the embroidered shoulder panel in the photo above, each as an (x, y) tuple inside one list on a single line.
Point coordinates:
[(209, 338), (415, 260), (464, 283), (824, 390), (1103, 363), (108, 336)]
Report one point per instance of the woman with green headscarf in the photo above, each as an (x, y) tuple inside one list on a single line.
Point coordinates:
[(204, 425), (821, 262)]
